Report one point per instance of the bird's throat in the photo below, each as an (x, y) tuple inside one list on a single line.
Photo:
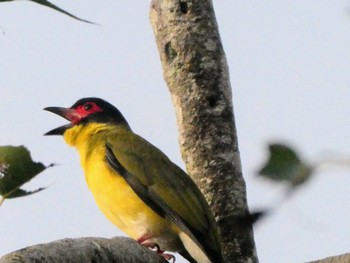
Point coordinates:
[(82, 134), (72, 135)]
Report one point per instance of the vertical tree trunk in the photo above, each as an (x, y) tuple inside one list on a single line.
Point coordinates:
[(195, 70)]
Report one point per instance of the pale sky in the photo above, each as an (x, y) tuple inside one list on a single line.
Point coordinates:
[(290, 74)]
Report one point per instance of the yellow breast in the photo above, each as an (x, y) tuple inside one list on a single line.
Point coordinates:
[(115, 198)]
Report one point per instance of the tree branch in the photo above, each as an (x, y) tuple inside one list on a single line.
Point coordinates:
[(345, 258), (196, 72), (87, 249)]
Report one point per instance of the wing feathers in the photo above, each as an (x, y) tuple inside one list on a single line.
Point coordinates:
[(150, 197), (159, 182), (140, 189)]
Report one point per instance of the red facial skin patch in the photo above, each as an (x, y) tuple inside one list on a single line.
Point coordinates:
[(81, 111)]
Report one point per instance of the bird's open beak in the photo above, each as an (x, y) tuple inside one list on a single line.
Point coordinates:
[(68, 114)]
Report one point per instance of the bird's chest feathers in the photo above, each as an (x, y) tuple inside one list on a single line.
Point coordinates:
[(105, 184), (112, 193), (115, 198)]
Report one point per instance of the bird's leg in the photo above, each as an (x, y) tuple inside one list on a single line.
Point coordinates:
[(168, 256), (143, 240)]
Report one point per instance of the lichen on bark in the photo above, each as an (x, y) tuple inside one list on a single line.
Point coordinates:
[(196, 72)]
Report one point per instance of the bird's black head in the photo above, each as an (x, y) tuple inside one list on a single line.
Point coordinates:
[(85, 111)]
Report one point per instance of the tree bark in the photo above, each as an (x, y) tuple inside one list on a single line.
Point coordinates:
[(345, 258), (196, 72), (82, 250)]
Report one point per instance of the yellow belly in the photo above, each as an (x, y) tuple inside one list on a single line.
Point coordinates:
[(115, 198), (121, 205)]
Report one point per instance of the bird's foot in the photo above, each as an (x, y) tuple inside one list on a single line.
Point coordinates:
[(155, 247), (143, 238), (167, 256)]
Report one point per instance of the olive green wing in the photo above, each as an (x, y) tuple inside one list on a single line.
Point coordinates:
[(165, 188)]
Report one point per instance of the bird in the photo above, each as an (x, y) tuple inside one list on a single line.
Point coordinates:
[(136, 186)]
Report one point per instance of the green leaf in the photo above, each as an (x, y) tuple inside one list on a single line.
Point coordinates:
[(16, 169), (285, 165), (52, 6)]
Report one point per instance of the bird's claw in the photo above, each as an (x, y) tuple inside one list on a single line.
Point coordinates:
[(168, 257), (155, 247)]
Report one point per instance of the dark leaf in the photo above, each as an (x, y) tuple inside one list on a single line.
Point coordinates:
[(257, 215), (52, 6), (21, 192), (16, 169), (285, 165)]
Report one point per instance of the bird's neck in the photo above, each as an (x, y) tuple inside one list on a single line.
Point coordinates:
[(92, 135), (90, 140), (80, 135), (87, 138)]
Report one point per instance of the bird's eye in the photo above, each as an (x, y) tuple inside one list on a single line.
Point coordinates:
[(87, 106)]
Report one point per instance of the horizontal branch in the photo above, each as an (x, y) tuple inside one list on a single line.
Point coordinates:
[(85, 249), (345, 258)]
